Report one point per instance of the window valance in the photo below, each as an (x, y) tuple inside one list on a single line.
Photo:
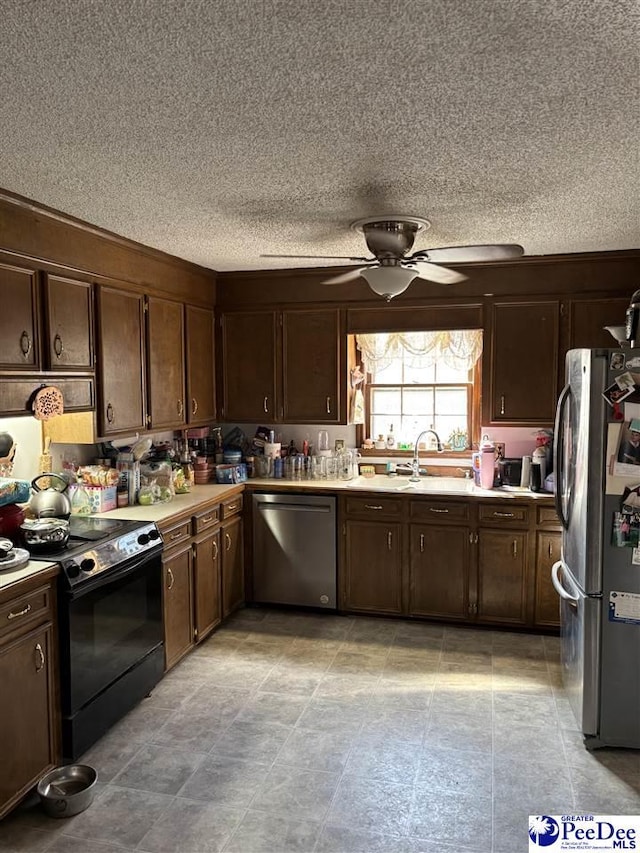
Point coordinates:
[(458, 349)]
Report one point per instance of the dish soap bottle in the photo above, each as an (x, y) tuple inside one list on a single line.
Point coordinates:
[(391, 439)]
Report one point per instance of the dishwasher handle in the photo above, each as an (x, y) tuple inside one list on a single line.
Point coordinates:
[(294, 507)]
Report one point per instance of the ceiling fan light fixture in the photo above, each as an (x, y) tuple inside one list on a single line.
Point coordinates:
[(388, 281)]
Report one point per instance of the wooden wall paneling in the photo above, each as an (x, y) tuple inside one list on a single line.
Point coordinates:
[(32, 230)]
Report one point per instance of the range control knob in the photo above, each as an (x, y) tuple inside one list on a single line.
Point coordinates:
[(154, 534), (143, 539), (73, 570), (88, 564)]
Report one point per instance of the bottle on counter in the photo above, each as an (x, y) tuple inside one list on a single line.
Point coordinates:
[(391, 439), (487, 464)]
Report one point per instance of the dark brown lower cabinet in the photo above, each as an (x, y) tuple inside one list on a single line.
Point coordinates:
[(502, 576), (373, 567), (232, 565), (29, 734), (177, 601), (206, 583), (439, 571), (547, 602)]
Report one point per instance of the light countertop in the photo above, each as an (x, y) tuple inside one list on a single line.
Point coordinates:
[(22, 573)]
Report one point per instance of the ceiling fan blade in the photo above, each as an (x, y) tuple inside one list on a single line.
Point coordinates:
[(322, 257), (464, 254), (433, 272), (346, 276)]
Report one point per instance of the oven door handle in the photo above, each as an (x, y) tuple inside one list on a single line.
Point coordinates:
[(116, 574)]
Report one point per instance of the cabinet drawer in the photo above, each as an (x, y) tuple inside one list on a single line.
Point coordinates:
[(206, 519), (232, 506), (438, 511), (26, 610), (547, 515), (177, 533), (506, 515), (374, 507)]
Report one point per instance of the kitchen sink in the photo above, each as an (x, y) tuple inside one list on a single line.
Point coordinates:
[(440, 485)]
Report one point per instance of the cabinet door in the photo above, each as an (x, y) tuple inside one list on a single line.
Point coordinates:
[(165, 347), (19, 345), (547, 603), (311, 368), (69, 324), (588, 319), (439, 572), (232, 566), (177, 600), (28, 736), (502, 576), (373, 567), (121, 358), (200, 404), (249, 363), (523, 363), (206, 587)]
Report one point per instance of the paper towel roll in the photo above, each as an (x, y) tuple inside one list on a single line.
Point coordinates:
[(272, 450), (525, 475)]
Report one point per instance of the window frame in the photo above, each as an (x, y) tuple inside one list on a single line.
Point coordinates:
[(475, 408)]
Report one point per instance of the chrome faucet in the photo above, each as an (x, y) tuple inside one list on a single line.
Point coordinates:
[(415, 462)]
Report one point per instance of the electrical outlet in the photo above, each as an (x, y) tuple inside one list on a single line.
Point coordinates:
[(500, 449)]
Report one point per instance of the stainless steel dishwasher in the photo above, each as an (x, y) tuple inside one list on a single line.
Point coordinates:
[(294, 549)]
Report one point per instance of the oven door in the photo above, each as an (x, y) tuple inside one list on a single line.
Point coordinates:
[(108, 626)]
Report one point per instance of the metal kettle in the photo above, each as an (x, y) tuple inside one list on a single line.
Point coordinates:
[(50, 502)]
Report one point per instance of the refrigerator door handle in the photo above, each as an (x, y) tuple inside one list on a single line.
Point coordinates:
[(555, 579), (558, 451)]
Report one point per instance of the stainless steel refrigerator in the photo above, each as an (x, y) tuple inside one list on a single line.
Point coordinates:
[(598, 584)]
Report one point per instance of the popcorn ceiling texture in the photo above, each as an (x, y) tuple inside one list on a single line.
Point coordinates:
[(219, 130)]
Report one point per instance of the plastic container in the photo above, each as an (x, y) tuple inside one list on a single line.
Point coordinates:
[(487, 466)]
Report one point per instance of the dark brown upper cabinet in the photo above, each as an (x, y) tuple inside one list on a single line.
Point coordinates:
[(521, 378), (19, 341), (249, 365), (283, 366), (587, 319), (68, 324), (313, 378), (166, 362), (121, 362), (200, 403)]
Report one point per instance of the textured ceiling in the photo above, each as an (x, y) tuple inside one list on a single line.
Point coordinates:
[(217, 130)]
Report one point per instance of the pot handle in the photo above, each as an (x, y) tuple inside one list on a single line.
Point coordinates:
[(34, 482)]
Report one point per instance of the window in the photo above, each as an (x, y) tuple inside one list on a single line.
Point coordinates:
[(423, 380)]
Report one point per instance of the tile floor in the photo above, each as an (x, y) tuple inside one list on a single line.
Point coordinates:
[(306, 732)]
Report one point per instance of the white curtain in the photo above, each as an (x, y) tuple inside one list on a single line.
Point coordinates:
[(458, 349)]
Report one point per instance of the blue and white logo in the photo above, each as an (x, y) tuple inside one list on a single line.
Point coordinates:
[(543, 830)]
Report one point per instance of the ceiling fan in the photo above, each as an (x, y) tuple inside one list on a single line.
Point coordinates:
[(391, 270)]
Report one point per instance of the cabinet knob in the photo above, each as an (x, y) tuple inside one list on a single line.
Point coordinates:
[(214, 551), (180, 406), (514, 547), (389, 540), (550, 549), (502, 404), (422, 543), (58, 348), (194, 406), (25, 343), (110, 414), (265, 405), (435, 509), (497, 514), (328, 405), (372, 506), (40, 658), (227, 540), (171, 579)]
